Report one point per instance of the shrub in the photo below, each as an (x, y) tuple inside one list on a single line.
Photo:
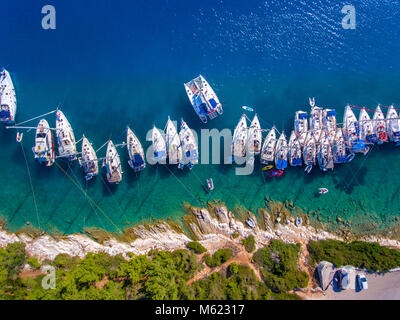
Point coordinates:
[(196, 247), (218, 258), (249, 243), (33, 262)]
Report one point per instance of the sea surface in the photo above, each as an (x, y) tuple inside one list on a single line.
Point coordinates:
[(110, 64)]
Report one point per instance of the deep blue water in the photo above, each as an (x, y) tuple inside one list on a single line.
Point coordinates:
[(113, 63)]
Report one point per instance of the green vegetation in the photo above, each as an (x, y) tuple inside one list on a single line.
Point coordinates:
[(371, 256), (278, 265), (219, 257), (249, 243), (33, 262), (196, 247)]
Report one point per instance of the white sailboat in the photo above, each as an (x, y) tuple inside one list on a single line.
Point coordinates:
[(301, 125), (159, 146), (295, 153), (393, 124), (309, 152), (173, 145), (380, 125), (339, 147), (281, 152), (239, 143), (366, 127), (65, 137), (268, 149), (135, 151), (88, 161), (351, 131), (329, 122), (189, 145), (44, 144), (316, 124), (112, 163), (8, 98), (324, 154), (254, 137)]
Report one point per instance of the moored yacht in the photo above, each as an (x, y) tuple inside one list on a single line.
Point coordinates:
[(268, 149), (65, 137), (88, 161), (339, 147), (44, 144), (8, 99), (380, 125), (295, 153), (159, 146), (239, 142), (189, 145), (112, 163), (329, 123), (316, 125), (309, 152), (281, 152), (135, 151), (351, 131), (173, 145), (254, 137), (324, 153), (393, 124), (366, 127)]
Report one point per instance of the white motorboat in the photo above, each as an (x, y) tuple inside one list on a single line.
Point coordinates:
[(309, 152), (88, 161), (112, 163), (8, 99), (254, 137), (203, 98), (173, 145), (135, 151), (295, 153), (239, 143), (393, 124), (268, 149), (65, 137), (44, 144), (367, 132), (281, 152), (380, 125), (159, 146), (189, 145)]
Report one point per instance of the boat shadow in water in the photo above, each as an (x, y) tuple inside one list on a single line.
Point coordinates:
[(347, 178)]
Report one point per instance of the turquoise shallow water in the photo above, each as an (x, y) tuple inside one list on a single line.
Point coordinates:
[(113, 65)]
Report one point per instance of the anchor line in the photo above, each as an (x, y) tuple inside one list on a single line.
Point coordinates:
[(89, 198)]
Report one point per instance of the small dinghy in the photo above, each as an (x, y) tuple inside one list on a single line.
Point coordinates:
[(248, 108), (301, 126), (281, 152), (210, 184), (189, 145), (20, 135), (309, 152), (329, 123), (274, 173), (351, 131), (88, 161), (393, 124), (173, 145), (44, 144), (8, 108), (316, 122), (380, 126), (268, 149), (135, 151), (269, 167), (251, 223), (367, 127), (159, 146), (298, 221), (203, 98), (324, 154), (254, 137), (339, 147), (323, 190), (65, 137), (239, 143), (112, 163), (295, 153)]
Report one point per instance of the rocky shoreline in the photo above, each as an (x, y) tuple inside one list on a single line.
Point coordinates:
[(213, 227)]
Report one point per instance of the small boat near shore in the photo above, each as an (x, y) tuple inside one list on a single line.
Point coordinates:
[(189, 145), (309, 152), (203, 98), (210, 184), (380, 126), (135, 151), (112, 163), (159, 146), (268, 149), (8, 99), (254, 137), (295, 154), (65, 137), (339, 147), (88, 161), (367, 127), (44, 144), (281, 152), (173, 145), (239, 143), (393, 124), (324, 153)]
